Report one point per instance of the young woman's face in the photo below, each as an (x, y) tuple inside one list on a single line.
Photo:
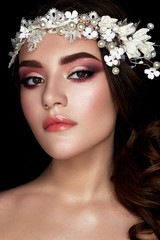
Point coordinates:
[(65, 96)]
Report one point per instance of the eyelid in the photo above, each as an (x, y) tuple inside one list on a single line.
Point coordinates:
[(25, 72), (80, 71), (26, 80), (81, 68)]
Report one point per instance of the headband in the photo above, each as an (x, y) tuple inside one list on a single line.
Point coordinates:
[(121, 39)]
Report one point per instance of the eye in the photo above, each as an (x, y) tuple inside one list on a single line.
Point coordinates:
[(80, 75), (32, 81)]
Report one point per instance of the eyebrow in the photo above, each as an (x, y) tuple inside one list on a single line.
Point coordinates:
[(64, 60), (30, 63), (75, 56)]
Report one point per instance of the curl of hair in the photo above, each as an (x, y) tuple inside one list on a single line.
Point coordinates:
[(136, 174)]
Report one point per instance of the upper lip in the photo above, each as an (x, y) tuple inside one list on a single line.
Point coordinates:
[(58, 119)]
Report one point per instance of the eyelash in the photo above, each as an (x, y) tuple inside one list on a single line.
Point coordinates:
[(83, 75), (35, 81), (32, 81)]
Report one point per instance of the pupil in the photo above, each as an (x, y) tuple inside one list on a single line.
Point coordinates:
[(37, 80), (81, 74)]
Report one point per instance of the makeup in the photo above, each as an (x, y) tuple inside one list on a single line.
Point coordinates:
[(30, 71), (82, 69), (58, 123)]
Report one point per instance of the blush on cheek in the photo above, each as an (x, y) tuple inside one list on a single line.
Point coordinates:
[(101, 99), (28, 104)]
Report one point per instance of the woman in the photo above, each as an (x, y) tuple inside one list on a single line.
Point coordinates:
[(81, 101)]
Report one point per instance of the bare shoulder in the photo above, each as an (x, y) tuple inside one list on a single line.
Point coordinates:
[(14, 200), (16, 210), (10, 199)]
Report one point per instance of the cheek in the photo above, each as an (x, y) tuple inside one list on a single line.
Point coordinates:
[(97, 102), (30, 106)]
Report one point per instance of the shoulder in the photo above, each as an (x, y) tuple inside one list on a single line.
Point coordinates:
[(15, 200), (10, 200)]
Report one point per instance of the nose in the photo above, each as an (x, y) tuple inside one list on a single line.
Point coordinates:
[(54, 95)]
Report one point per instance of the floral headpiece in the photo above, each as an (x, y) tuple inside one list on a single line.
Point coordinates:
[(121, 39)]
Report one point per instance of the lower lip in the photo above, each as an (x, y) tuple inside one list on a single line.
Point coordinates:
[(59, 127)]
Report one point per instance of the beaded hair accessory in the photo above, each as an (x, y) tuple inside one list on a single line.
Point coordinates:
[(121, 39)]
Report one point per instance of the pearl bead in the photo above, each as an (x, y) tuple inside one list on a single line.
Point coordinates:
[(80, 27), (130, 38), (115, 70), (103, 30), (94, 22), (153, 54), (61, 31), (72, 25), (101, 44), (84, 17), (42, 24), (150, 26), (111, 46), (156, 65), (147, 55), (118, 63)]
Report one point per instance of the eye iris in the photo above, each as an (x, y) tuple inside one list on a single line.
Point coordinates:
[(81, 74), (37, 80)]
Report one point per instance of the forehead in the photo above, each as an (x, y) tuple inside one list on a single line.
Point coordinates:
[(53, 47)]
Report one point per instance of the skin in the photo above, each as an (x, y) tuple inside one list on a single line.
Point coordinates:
[(74, 198)]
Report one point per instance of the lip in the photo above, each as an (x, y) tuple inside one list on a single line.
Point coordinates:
[(58, 123)]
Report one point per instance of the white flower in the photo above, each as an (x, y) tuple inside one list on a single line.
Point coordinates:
[(117, 52), (93, 15), (88, 33), (35, 38), (146, 47), (24, 22), (152, 72), (110, 60), (131, 48), (51, 14), (141, 34), (44, 23), (108, 35), (73, 35), (24, 32), (125, 30), (72, 16), (137, 44), (107, 21)]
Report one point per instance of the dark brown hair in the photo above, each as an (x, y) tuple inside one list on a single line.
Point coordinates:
[(136, 174)]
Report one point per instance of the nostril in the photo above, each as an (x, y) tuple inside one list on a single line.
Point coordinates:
[(45, 106)]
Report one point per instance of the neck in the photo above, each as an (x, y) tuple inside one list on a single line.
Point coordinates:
[(83, 177)]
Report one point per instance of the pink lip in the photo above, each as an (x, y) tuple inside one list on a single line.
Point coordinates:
[(58, 123)]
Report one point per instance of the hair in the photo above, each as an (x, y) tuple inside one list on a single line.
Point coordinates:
[(136, 174)]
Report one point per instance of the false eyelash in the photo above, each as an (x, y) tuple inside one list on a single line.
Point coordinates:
[(85, 74), (36, 80)]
